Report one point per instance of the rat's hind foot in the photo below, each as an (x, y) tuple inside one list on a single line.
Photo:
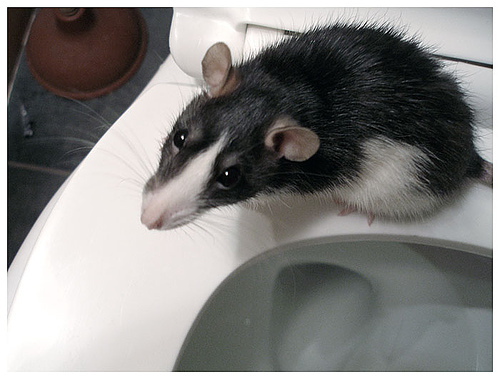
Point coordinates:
[(348, 209)]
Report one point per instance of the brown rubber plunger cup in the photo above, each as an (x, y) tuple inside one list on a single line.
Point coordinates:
[(82, 53)]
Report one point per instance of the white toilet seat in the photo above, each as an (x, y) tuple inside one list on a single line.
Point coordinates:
[(92, 289)]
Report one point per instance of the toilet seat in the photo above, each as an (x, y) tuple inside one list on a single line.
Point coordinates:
[(92, 289)]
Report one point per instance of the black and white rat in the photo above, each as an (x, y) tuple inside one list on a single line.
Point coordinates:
[(356, 111)]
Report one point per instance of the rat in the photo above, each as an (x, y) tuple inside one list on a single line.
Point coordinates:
[(358, 112)]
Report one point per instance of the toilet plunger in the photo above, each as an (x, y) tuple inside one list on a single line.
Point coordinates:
[(82, 53)]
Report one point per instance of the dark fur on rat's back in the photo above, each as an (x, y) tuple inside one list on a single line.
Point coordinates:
[(347, 84), (353, 83)]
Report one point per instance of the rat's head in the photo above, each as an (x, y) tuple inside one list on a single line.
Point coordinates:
[(223, 149)]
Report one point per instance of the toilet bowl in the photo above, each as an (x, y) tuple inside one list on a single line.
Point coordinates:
[(286, 286), (352, 306)]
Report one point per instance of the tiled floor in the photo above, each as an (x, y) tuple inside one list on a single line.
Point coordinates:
[(48, 136)]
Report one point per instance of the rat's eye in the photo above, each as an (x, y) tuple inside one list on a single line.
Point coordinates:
[(230, 177), (180, 138)]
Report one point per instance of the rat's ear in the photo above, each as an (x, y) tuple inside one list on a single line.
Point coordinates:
[(291, 141), (218, 71)]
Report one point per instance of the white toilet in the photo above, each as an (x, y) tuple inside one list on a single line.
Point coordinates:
[(289, 286)]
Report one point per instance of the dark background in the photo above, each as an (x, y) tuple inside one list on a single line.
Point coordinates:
[(48, 136)]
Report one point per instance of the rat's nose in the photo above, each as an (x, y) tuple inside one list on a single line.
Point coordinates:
[(164, 210), (151, 220)]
